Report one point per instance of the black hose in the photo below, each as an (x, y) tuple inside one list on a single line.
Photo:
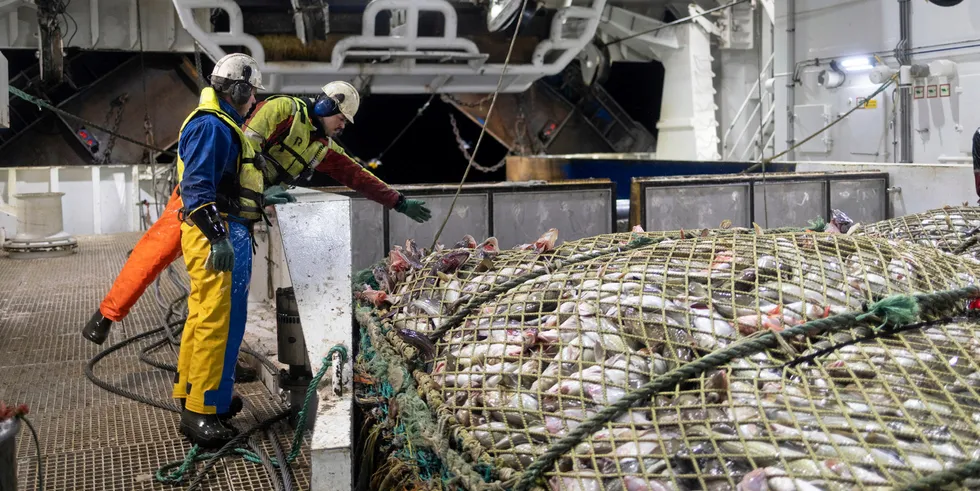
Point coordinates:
[(145, 356), (271, 367), (285, 470), (90, 372), (255, 443), (39, 483)]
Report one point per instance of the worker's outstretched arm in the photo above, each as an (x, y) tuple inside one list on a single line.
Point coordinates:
[(346, 171)]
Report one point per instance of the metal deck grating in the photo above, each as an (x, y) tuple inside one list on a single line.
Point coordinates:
[(92, 439)]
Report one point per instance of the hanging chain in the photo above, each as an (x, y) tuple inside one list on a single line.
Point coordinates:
[(197, 63), (494, 168), (115, 106), (466, 153), (41, 103)]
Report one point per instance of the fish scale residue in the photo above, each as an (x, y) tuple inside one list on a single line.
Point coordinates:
[(526, 368)]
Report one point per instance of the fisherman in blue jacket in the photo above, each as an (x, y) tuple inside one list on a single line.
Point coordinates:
[(222, 190)]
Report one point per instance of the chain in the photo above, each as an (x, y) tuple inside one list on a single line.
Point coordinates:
[(115, 106), (46, 105), (526, 143), (451, 98), (197, 62), (459, 139), (494, 168), (466, 153)]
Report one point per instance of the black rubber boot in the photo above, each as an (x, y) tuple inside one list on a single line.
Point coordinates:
[(234, 408), (97, 329), (206, 430)]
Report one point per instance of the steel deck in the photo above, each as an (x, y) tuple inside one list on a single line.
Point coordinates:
[(92, 439)]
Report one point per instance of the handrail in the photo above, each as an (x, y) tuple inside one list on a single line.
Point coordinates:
[(758, 133), (745, 103), (745, 128)]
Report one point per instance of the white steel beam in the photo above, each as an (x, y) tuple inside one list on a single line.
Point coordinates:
[(393, 67), (618, 23), (101, 25)]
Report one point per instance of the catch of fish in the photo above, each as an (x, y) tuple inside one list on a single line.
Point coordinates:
[(527, 367), (944, 228)]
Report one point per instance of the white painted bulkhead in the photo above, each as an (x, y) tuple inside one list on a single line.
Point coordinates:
[(825, 30)]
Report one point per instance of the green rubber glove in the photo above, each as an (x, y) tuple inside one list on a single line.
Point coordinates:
[(414, 209), (276, 195), (222, 257)]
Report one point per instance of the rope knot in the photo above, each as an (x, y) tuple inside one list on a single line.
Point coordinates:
[(639, 242), (818, 225), (896, 310), (337, 348)]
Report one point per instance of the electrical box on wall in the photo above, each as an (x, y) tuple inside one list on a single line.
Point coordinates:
[(866, 128), (809, 119)]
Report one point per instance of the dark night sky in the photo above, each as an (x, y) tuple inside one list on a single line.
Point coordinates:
[(427, 152)]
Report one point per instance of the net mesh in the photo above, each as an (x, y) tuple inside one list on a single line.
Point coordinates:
[(949, 229), (824, 412)]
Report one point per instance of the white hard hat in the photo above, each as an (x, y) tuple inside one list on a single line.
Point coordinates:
[(239, 66), (346, 96)]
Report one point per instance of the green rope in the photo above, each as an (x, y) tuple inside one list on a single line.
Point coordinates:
[(417, 424), (818, 225), (365, 277), (889, 310), (897, 310), (182, 467), (956, 474), (477, 301), (310, 392)]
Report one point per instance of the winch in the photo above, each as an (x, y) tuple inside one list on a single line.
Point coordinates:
[(294, 380)]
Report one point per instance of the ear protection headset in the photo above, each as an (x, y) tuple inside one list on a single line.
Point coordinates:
[(327, 106), (241, 91)]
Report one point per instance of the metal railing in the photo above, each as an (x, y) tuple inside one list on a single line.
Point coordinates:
[(388, 63), (730, 148)]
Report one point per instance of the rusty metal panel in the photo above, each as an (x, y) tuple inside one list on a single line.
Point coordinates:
[(863, 200), (521, 217), (470, 216), (367, 218), (697, 206), (789, 203)]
